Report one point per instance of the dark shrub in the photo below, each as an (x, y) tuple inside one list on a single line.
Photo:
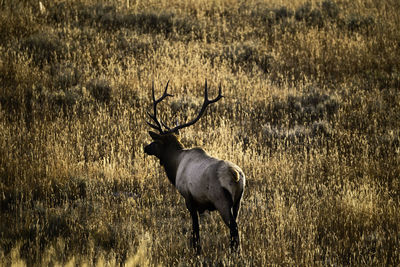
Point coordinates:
[(303, 11), (245, 56), (358, 23), (313, 17), (66, 76), (321, 128), (44, 47), (305, 109), (149, 22), (100, 90), (64, 99), (282, 13), (330, 9), (63, 12)]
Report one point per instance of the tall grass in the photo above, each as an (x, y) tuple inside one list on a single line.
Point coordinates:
[(310, 114)]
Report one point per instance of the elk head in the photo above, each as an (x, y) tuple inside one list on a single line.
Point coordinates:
[(166, 141)]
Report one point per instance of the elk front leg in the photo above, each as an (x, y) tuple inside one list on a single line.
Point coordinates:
[(196, 228)]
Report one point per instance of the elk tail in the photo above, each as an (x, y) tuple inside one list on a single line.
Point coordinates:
[(235, 173)]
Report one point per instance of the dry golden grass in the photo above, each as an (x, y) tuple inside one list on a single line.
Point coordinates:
[(311, 114)]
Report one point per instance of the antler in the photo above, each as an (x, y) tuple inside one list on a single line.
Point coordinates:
[(158, 125), (203, 108)]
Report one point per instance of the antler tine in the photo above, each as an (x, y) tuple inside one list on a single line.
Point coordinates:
[(158, 125), (153, 126), (165, 94), (205, 90), (217, 98), (202, 110), (165, 126)]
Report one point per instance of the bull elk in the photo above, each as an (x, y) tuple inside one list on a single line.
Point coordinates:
[(205, 182)]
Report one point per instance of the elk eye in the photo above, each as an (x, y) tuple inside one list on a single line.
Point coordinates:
[(158, 142)]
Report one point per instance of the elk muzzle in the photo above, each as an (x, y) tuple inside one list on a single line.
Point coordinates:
[(150, 149)]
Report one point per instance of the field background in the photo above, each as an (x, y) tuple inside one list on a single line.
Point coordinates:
[(311, 114)]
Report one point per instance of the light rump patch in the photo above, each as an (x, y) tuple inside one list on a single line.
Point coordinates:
[(235, 173)]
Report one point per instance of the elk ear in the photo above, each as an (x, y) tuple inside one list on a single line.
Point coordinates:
[(154, 135)]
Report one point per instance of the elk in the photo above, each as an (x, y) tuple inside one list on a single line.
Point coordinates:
[(205, 182)]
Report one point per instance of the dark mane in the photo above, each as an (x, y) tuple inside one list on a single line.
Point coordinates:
[(172, 140)]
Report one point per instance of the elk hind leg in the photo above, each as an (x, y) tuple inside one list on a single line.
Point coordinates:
[(225, 209), (236, 206)]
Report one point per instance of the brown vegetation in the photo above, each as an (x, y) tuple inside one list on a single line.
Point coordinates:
[(311, 114)]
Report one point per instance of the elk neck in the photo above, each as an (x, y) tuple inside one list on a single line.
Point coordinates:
[(171, 159)]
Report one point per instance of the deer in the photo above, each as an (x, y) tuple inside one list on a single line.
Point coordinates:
[(205, 182)]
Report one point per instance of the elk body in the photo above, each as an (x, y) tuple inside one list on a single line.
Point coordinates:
[(205, 182)]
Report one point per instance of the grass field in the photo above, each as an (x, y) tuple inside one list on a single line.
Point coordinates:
[(311, 114)]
